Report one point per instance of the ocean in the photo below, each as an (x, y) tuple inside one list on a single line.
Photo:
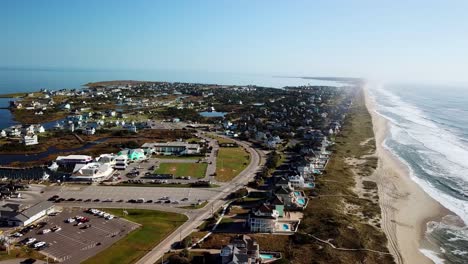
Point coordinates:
[(429, 133)]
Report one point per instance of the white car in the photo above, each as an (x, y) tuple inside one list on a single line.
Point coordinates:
[(71, 220), (39, 244), (45, 231), (56, 229), (17, 234), (105, 215), (109, 217), (30, 241)]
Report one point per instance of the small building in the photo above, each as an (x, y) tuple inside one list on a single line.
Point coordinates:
[(3, 134)]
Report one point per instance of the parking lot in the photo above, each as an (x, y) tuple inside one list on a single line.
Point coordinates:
[(75, 243), (115, 194)]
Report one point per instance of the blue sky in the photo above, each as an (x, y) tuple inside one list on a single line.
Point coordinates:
[(390, 40)]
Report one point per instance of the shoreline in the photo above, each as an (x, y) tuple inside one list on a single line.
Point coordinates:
[(406, 208)]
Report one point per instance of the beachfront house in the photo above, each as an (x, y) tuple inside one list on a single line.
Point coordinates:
[(263, 219), (241, 249)]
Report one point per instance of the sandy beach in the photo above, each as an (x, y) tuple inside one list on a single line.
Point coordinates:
[(406, 208)]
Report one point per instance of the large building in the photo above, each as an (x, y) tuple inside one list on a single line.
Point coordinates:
[(11, 215), (92, 172), (173, 148)]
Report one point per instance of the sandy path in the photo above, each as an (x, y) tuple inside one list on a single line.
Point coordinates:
[(406, 208)]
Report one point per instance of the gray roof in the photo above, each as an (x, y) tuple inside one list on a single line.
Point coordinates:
[(35, 209)]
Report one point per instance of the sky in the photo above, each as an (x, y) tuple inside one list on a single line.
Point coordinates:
[(387, 40)]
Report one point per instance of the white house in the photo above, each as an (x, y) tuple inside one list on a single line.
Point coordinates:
[(40, 129), (297, 181), (14, 132), (30, 139), (121, 162), (3, 133), (89, 131)]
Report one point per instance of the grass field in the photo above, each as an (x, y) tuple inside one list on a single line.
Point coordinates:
[(230, 162), (196, 170), (155, 227)]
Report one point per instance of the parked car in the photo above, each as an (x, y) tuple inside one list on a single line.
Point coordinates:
[(39, 244), (30, 241), (45, 231)]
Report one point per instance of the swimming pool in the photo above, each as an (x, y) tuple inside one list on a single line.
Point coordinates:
[(301, 201), (285, 227), (310, 185), (297, 193), (266, 256)]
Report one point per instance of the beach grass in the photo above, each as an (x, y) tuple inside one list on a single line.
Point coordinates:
[(155, 226), (196, 170), (329, 216), (230, 162)]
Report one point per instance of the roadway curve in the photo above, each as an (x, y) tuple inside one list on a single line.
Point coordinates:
[(197, 217)]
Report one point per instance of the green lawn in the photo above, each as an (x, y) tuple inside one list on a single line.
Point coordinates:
[(196, 170), (230, 162), (156, 225)]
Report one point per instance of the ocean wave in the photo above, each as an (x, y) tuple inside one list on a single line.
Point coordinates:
[(441, 156)]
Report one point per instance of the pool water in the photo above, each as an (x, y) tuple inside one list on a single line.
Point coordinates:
[(285, 227), (266, 256), (301, 201), (310, 185), (297, 193)]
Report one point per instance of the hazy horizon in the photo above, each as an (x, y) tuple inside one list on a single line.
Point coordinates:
[(421, 41)]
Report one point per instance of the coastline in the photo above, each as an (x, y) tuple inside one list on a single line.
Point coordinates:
[(406, 208)]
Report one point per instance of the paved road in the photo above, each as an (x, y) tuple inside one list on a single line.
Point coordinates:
[(197, 217)]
